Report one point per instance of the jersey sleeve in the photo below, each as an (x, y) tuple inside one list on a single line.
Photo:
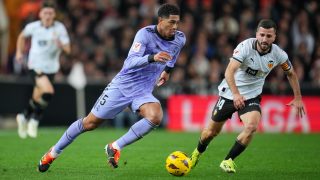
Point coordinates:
[(63, 35), (136, 56), (176, 54), (28, 29), (284, 60), (240, 52)]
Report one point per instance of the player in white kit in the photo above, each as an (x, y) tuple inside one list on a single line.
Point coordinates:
[(48, 39), (252, 61)]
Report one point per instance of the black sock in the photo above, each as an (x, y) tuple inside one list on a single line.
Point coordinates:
[(30, 109), (202, 146), (236, 149)]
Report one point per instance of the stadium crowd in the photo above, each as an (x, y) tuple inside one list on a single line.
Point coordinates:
[(102, 31)]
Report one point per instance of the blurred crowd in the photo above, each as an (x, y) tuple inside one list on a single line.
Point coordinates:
[(102, 31)]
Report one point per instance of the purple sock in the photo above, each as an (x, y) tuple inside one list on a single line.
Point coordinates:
[(74, 130), (136, 132)]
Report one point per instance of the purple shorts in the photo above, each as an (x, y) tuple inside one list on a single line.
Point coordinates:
[(112, 102)]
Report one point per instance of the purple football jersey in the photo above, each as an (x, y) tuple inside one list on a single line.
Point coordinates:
[(138, 76)]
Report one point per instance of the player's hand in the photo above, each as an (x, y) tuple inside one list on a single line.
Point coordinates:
[(164, 77), (19, 57), (162, 57), (238, 101), (58, 43), (298, 104)]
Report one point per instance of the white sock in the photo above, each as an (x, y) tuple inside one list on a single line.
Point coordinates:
[(116, 146), (54, 153)]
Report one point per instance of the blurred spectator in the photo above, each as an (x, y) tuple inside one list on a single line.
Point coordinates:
[(4, 37), (29, 11), (102, 32), (301, 33)]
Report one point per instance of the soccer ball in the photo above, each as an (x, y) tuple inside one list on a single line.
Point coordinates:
[(178, 163)]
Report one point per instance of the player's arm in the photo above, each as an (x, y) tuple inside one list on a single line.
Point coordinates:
[(63, 41), (294, 83), (137, 57), (165, 75), (66, 48), (20, 47), (238, 99)]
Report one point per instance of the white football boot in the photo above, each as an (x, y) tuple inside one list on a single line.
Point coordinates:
[(33, 128), (22, 125)]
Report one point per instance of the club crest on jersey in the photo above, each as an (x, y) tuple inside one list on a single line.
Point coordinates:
[(270, 64), (136, 47)]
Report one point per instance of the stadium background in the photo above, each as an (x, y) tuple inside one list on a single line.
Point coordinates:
[(101, 32)]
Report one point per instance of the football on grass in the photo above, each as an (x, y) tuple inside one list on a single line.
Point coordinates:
[(178, 163)]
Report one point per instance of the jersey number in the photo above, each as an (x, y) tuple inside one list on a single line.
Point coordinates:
[(220, 103), (103, 99)]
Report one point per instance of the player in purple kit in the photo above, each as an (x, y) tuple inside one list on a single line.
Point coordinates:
[(152, 56)]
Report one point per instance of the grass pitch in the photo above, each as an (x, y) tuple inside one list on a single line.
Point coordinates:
[(269, 156)]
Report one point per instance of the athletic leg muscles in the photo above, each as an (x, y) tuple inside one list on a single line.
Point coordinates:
[(91, 122), (251, 121), (152, 112), (43, 85), (212, 130)]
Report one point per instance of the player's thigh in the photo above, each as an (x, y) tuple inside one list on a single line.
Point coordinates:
[(110, 103), (251, 119), (250, 115), (43, 84), (148, 106), (223, 110)]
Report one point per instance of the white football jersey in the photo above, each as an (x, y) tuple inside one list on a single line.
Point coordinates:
[(254, 68), (44, 53)]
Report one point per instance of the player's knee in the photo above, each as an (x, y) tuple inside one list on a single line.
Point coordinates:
[(251, 128), (89, 126), (155, 118), (45, 99), (210, 134)]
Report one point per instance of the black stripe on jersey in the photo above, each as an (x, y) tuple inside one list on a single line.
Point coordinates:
[(180, 34), (236, 59), (150, 30)]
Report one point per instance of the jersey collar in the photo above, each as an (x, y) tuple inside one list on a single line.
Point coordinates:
[(254, 46), (157, 32), (48, 26)]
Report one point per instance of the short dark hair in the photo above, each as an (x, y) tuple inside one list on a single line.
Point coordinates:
[(166, 10), (267, 24), (48, 4)]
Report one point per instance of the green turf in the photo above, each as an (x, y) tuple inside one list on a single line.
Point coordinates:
[(270, 156)]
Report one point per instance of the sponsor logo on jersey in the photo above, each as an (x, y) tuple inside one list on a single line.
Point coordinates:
[(251, 71), (136, 47)]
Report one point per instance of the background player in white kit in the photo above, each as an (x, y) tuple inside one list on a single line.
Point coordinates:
[(252, 61), (48, 39)]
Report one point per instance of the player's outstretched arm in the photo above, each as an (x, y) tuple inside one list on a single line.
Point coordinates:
[(297, 101)]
